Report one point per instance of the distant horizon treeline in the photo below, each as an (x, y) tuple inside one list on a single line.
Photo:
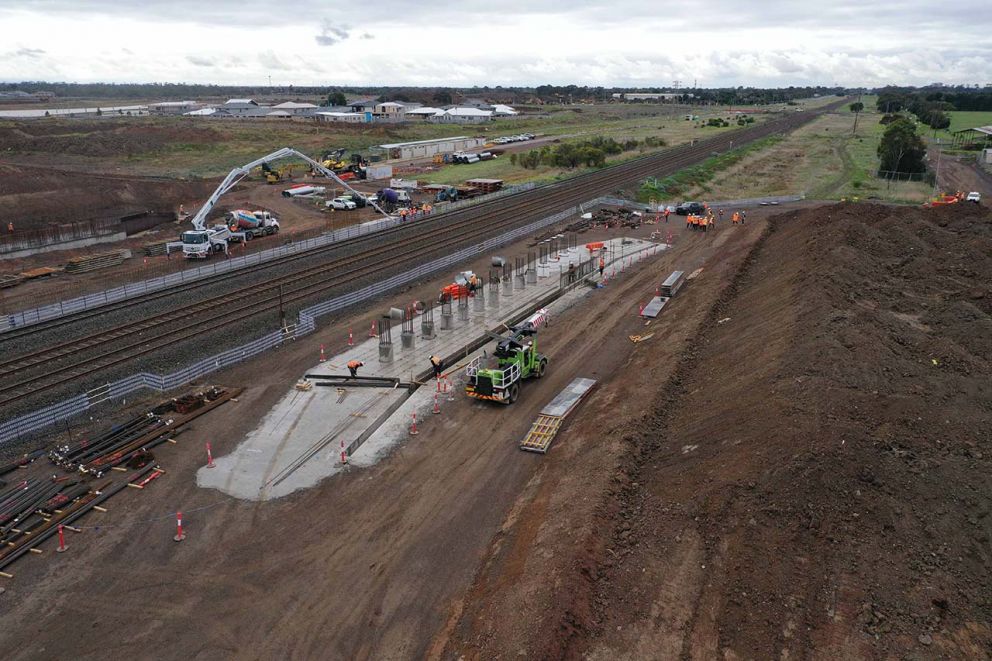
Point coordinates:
[(427, 95), (962, 97)]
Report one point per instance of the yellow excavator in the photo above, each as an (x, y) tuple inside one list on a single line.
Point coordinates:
[(334, 160)]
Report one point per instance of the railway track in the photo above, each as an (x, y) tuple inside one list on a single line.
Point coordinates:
[(62, 364), (554, 196)]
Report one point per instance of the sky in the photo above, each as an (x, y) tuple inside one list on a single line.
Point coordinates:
[(623, 43)]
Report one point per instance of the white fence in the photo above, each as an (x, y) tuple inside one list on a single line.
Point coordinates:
[(31, 422), (131, 290)]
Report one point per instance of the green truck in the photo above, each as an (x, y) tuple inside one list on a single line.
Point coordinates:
[(516, 358)]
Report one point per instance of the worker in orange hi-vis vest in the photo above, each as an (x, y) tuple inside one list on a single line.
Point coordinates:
[(735, 218), (353, 366)]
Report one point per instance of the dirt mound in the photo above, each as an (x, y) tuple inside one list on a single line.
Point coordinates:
[(34, 197), (100, 138), (815, 479)]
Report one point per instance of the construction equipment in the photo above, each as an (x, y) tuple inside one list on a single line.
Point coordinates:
[(447, 194), (201, 241), (273, 176), (460, 288), (334, 159), (516, 358)]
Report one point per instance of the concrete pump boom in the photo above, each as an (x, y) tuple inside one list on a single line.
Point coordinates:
[(237, 174)]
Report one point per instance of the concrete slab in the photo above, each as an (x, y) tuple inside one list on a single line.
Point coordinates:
[(653, 308), (565, 401), (299, 441)]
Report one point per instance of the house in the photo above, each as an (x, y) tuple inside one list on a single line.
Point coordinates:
[(423, 112), (295, 109), (463, 115), (500, 110), (173, 107), (363, 105), (342, 117), (242, 108), (389, 110)]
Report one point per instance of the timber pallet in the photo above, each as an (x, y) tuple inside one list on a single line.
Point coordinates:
[(549, 421), (541, 433)]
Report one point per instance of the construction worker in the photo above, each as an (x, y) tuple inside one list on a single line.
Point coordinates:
[(667, 211), (571, 273), (602, 265), (721, 214), (353, 366), (473, 284), (10, 228), (712, 222), (743, 216), (436, 366), (702, 223), (735, 218)]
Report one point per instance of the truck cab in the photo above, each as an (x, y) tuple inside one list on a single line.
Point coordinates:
[(199, 244), (498, 378)]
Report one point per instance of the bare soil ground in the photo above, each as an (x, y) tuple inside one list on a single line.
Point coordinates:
[(796, 464), (807, 479), (34, 197)]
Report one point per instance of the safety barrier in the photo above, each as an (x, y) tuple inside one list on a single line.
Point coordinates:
[(32, 422), (140, 288)]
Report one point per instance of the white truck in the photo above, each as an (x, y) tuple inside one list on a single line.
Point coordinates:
[(200, 244)]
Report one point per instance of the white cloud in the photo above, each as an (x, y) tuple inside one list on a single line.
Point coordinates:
[(514, 42)]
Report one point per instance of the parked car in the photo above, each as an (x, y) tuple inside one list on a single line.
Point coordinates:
[(694, 208), (974, 196), (342, 204)]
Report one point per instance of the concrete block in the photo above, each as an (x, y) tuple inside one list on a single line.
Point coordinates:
[(408, 339), (385, 353), (427, 330), (447, 322)]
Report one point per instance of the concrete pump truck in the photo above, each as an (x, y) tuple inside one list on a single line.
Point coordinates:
[(516, 358), (201, 241)]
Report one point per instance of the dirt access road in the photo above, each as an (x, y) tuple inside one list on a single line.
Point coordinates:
[(368, 565)]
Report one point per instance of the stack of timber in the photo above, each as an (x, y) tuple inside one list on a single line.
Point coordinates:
[(96, 262), (9, 280)]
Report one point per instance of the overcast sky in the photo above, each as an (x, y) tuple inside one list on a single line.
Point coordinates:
[(498, 42)]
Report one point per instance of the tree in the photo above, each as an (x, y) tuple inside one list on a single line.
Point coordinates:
[(901, 149), (856, 108), (337, 99), (939, 120), (443, 97)]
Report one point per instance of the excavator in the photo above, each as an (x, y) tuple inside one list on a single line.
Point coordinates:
[(273, 176), (334, 160)]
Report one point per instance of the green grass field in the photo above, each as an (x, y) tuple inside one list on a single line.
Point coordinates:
[(822, 160)]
